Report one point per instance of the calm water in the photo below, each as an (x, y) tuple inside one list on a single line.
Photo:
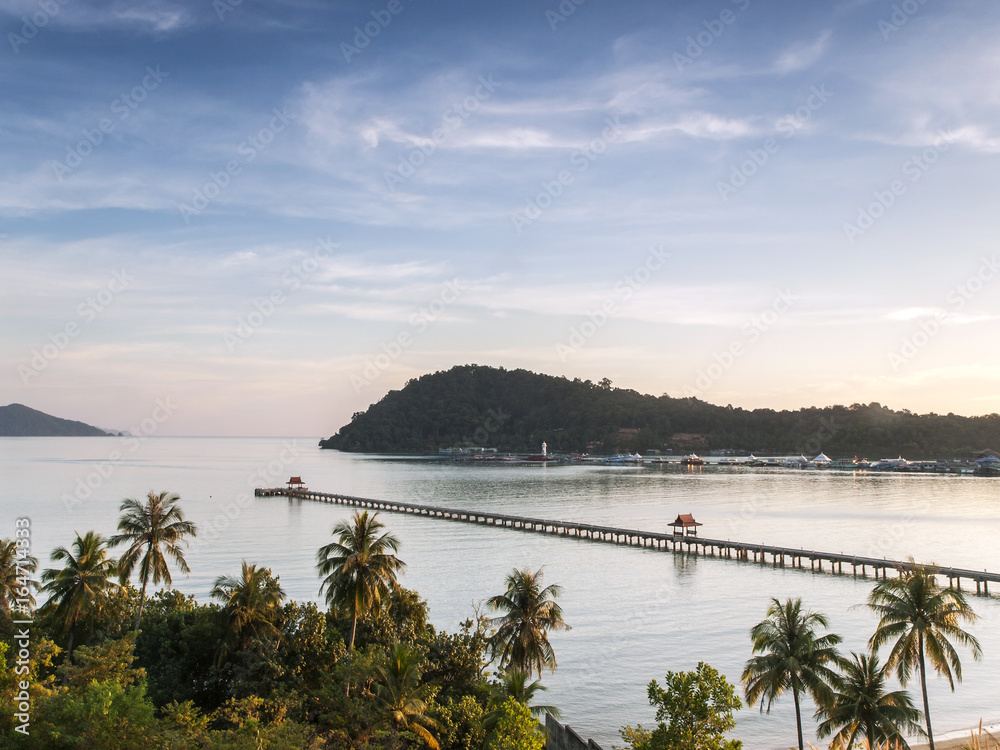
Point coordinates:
[(635, 614)]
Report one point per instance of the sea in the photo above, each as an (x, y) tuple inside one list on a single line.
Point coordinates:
[(635, 613)]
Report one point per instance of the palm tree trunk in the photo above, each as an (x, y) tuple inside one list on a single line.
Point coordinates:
[(923, 685), (142, 601), (798, 717), (350, 650)]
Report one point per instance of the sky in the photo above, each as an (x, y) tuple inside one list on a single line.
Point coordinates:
[(257, 218)]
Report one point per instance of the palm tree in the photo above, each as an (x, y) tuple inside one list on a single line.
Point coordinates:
[(792, 657), (515, 684), (921, 619), (151, 529), (399, 696), (358, 569), (16, 588), (861, 707), (521, 639), (250, 604), (81, 587)]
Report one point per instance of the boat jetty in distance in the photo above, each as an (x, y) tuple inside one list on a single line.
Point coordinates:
[(985, 464)]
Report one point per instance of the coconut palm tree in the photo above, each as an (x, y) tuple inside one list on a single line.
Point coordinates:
[(358, 569), (153, 530), (920, 619), (862, 709), (515, 684), (250, 603), (81, 587), (17, 588), (399, 696), (792, 657), (521, 640)]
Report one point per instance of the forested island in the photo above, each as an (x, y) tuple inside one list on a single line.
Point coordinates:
[(18, 420), (516, 410)]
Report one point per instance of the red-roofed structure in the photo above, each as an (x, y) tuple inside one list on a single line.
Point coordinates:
[(685, 525), (296, 483)]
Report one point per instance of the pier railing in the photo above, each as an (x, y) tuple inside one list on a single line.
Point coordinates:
[(666, 541)]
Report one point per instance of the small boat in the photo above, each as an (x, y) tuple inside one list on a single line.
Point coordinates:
[(845, 464), (727, 462), (692, 459), (891, 464), (624, 458), (795, 463)]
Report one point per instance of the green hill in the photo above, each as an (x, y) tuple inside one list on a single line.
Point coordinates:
[(515, 410), (17, 420)]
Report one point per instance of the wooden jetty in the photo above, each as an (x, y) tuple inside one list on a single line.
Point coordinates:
[(667, 541)]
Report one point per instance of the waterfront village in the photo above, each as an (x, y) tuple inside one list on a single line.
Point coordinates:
[(982, 463)]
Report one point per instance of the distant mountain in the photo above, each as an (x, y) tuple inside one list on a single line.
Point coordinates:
[(17, 420), (515, 410)]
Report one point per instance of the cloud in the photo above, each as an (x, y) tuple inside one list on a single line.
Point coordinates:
[(803, 55), (152, 16)]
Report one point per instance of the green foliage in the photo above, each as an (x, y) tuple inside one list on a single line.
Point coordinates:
[(791, 657), (104, 714), (516, 729), (456, 662), (529, 612), (152, 532), (861, 707), (177, 647), (920, 619), (460, 723), (400, 698), (358, 569), (282, 683), (17, 579), (694, 711), (82, 589), (516, 410), (250, 603), (111, 661)]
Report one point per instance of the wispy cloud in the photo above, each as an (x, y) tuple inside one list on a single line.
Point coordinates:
[(802, 55)]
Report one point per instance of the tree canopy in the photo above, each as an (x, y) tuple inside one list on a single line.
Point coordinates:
[(515, 410)]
